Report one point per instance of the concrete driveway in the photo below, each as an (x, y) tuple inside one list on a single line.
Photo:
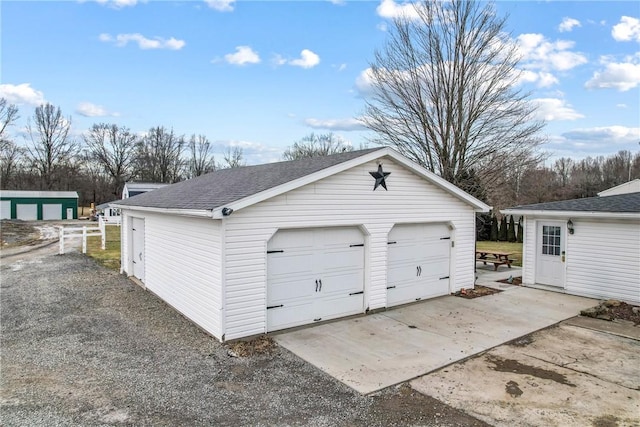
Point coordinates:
[(374, 352)]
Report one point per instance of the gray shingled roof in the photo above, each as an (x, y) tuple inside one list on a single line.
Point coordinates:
[(219, 188), (621, 203)]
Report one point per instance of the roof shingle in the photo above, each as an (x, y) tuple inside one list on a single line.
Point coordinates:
[(621, 203), (216, 189)]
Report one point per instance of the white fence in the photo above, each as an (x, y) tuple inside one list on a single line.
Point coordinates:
[(83, 232)]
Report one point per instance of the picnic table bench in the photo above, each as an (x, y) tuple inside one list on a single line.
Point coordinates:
[(495, 257)]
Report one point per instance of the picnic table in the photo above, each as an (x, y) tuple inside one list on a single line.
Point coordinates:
[(497, 258)]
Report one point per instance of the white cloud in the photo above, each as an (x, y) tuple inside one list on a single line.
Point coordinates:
[(390, 9), (552, 109), (621, 105), (21, 94), (88, 109), (335, 124), (628, 29), (382, 27), (221, 5), (539, 53), (118, 4), (568, 24), (541, 78), (338, 2), (308, 59), (254, 153), (622, 76), (342, 67), (243, 55), (603, 136), (364, 82), (143, 42)]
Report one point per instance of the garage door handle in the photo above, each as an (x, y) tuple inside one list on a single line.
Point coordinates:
[(445, 277), (269, 307), (356, 293), (320, 281), (418, 271), (391, 287), (316, 286)]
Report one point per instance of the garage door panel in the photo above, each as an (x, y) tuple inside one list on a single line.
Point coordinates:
[(418, 262), (51, 211), (27, 212), (5, 209), (290, 263), (314, 275)]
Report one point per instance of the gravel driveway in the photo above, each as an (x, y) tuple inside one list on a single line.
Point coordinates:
[(82, 345)]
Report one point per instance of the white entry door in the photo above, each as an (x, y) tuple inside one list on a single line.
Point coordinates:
[(69, 213), (313, 275), (550, 251), (137, 247), (418, 258)]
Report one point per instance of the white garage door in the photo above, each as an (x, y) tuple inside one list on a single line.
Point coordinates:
[(5, 209), (313, 275), (418, 262), (27, 212), (51, 212)]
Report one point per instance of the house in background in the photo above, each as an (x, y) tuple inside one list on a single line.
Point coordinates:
[(255, 249), (109, 214), (588, 247), (134, 188), (38, 205)]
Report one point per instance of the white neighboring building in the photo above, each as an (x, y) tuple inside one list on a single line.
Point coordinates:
[(255, 249), (109, 214), (588, 247), (134, 188)]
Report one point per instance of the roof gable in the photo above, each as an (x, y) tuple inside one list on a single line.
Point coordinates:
[(237, 188)]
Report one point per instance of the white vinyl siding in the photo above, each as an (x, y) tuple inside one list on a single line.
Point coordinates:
[(183, 265), (603, 260), (344, 199), (529, 251), (51, 211)]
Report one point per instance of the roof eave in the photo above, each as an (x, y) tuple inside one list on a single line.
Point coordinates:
[(572, 214), (199, 213), (324, 173)]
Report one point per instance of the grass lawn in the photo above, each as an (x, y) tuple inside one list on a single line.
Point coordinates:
[(515, 248), (110, 257)]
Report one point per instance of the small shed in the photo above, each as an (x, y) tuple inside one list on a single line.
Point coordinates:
[(109, 214), (131, 189), (38, 205), (588, 247), (255, 249)]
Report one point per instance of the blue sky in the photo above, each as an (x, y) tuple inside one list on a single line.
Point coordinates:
[(263, 74)]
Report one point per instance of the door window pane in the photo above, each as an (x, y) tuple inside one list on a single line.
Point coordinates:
[(551, 240)]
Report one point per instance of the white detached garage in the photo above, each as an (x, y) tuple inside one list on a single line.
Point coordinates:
[(256, 249)]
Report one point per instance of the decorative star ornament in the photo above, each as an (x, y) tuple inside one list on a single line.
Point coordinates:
[(380, 177)]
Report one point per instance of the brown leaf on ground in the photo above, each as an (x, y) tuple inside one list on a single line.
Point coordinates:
[(246, 348), (477, 291)]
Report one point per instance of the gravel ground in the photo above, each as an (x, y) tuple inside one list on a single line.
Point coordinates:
[(82, 345)]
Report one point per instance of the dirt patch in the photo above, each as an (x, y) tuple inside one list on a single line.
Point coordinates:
[(477, 291), (402, 405), (614, 310), (512, 388), (17, 233), (606, 421), (514, 281), (247, 348), (511, 365), (522, 341)]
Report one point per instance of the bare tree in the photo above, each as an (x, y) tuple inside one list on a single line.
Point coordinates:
[(113, 148), (444, 92), (159, 156), (233, 158), (50, 149), (201, 160), (9, 151), (314, 145)]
